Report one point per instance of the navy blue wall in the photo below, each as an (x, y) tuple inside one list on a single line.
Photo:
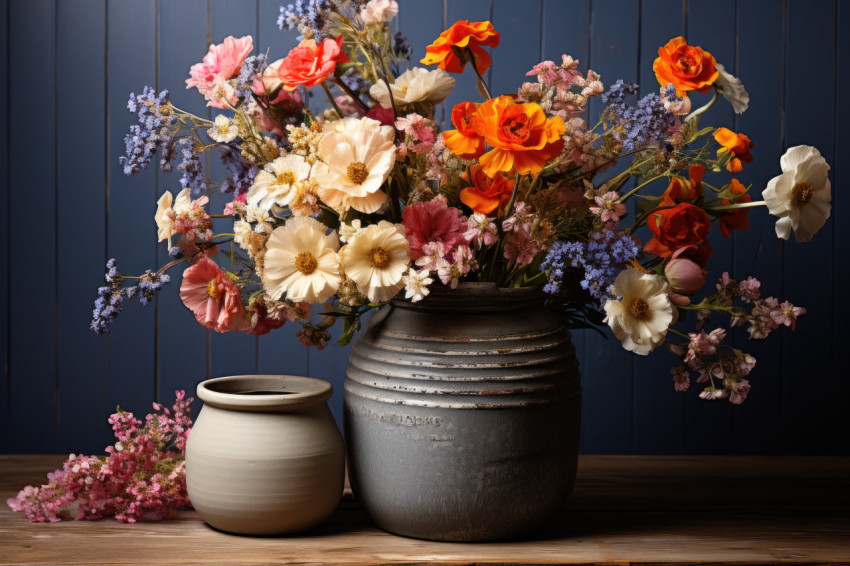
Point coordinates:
[(67, 67)]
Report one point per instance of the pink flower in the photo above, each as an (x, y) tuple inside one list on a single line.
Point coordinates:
[(738, 391), (681, 378), (746, 365), (222, 62), (418, 131), (211, 295), (383, 115), (520, 246), (787, 314), (482, 230), (749, 288), (685, 276), (607, 207), (433, 257), (433, 221)]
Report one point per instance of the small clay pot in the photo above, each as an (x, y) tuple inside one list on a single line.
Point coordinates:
[(265, 455)]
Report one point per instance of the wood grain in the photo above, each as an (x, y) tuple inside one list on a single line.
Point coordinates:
[(625, 510)]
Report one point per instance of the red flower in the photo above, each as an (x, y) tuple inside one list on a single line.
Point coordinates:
[(682, 190), (486, 194), (678, 227), (459, 37), (464, 142), (310, 64)]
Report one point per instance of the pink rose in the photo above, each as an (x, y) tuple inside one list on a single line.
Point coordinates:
[(222, 62), (310, 64)]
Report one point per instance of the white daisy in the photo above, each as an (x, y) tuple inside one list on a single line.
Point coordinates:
[(376, 260), (416, 285), (731, 87), (800, 196), (414, 85), (641, 318), (348, 231), (357, 157), (224, 129), (275, 184), (167, 209), (302, 262)]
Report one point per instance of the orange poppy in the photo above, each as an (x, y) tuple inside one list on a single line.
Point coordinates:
[(683, 190), (686, 67), (736, 219), (522, 137), (737, 144), (486, 193), (464, 141), (456, 39)]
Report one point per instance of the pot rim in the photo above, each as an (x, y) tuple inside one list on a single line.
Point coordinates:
[(475, 296), (295, 392)]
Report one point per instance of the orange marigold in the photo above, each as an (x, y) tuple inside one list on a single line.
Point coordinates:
[(458, 38), (486, 193), (684, 190), (522, 137), (686, 67), (735, 219), (464, 142), (736, 144)]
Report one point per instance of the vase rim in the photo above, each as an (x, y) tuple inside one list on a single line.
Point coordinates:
[(473, 296), (264, 392)]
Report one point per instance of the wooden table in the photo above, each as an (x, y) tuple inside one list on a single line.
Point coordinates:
[(625, 510)]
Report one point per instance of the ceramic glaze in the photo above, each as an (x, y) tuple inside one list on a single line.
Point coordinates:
[(264, 456)]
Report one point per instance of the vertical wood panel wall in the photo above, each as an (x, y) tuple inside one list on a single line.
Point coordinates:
[(67, 67)]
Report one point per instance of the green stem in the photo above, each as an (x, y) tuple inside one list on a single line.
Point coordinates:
[(638, 188), (703, 109), (333, 102), (477, 74)]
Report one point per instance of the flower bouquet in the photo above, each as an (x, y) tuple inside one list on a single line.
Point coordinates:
[(336, 213)]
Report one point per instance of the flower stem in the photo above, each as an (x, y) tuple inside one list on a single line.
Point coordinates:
[(481, 83), (350, 93), (333, 102), (738, 205)]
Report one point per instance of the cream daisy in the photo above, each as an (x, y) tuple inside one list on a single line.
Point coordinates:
[(800, 196), (167, 209), (641, 318), (224, 129), (275, 184), (302, 262), (357, 157), (414, 85), (416, 285), (377, 259)]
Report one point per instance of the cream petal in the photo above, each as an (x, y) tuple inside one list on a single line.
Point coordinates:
[(777, 194), (370, 203), (783, 228)]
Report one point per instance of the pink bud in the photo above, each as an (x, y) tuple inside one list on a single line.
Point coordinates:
[(685, 276)]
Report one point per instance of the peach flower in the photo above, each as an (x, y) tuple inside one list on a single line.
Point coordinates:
[(311, 63), (222, 62)]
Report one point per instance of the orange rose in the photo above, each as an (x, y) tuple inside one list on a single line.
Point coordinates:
[(735, 219), (486, 194), (736, 144), (459, 37), (464, 141), (310, 64), (681, 189), (522, 137), (685, 66), (678, 227)]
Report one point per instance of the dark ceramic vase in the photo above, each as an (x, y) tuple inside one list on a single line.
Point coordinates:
[(462, 414)]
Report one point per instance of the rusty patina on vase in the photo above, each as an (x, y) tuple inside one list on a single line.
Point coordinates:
[(462, 414)]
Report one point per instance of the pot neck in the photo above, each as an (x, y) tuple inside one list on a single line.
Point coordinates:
[(264, 393), (476, 297)]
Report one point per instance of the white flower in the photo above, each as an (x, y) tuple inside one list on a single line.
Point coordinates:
[(416, 285), (414, 85), (732, 88), (301, 261), (348, 231), (242, 234), (262, 218), (275, 184), (377, 259), (224, 130), (357, 156), (167, 208), (378, 11), (800, 196), (641, 318)]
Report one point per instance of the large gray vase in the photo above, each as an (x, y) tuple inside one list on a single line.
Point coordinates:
[(462, 414)]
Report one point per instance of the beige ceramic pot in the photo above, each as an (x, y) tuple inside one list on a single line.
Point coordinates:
[(264, 456)]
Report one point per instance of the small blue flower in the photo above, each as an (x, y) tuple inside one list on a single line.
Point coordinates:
[(305, 14), (645, 124), (154, 129), (241, 173), (192, 168)]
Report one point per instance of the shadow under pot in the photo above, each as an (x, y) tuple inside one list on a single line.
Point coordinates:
[(265, 455)]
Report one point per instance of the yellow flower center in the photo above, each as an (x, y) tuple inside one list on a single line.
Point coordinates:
[(306, 263), (802, 192), (404, 89), (639, 308), (214, 290), (285, 178), (378, 257), (357, 172)]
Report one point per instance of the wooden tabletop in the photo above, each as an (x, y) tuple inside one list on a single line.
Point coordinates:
[(625, 510)]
